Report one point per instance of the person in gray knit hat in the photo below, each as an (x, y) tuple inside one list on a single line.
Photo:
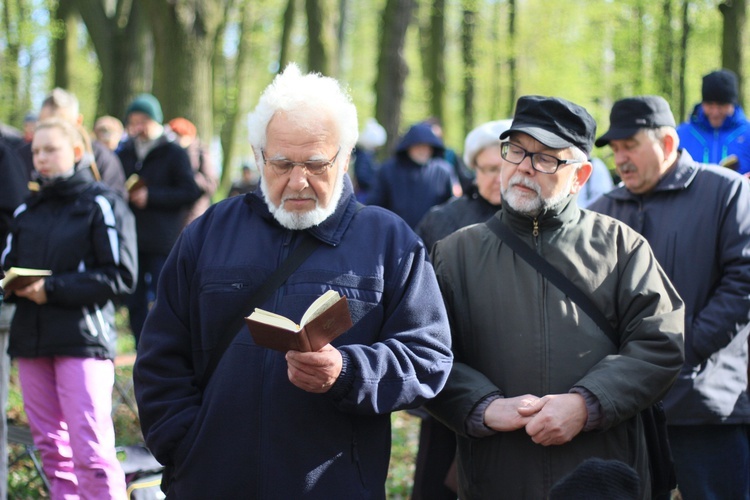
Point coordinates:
[(717, 131), (537, 386)]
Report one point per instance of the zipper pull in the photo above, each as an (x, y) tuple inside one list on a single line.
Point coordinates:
[(535, 232)]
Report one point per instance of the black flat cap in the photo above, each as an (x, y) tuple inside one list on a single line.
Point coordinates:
[(630, 115), (554, 122)]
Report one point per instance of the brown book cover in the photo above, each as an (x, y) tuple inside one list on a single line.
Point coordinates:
[(327, 318), (134, 182), (20, 277)]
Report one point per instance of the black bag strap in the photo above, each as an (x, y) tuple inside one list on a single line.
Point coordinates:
[(554, 276), (279, 276)]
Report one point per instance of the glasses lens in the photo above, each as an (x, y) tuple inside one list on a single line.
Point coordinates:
[(316, 167), (512, 153), (545, 163)]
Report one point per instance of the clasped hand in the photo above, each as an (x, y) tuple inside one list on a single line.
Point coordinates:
[(551, 420), (35, 292), (314, 371)]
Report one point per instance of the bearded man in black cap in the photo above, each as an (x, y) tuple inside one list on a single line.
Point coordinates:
[(537, 387), (697, 219), (717, 131)]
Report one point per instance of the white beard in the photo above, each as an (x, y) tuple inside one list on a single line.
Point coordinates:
[(304, 220), (532, 206)]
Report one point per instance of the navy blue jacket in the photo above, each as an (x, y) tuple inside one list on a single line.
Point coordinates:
[(697, 220), (251, 433), (85, 234), (712, 145), (172, 190), (408, 188)]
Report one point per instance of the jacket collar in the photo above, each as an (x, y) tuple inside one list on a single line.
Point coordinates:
[(331, 230), (699, 118), (549, 219), (677, 178)]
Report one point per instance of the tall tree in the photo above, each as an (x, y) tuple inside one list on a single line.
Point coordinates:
[(392, 67), (433, 53), (238, 101), (122, 43), (734, 14), (65, 41), (184, 35), (512, 78), (287, 25), (13, 14), (685, 36), (321, 36), (664, 60), (468, 31)]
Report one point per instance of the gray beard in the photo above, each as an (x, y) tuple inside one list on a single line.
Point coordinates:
[(533, 206), (303, 220)]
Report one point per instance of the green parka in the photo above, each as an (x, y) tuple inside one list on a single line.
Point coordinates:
[(514, 333)]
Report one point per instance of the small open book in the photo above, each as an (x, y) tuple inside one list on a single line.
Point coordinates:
[(20, 277), (325, 319)]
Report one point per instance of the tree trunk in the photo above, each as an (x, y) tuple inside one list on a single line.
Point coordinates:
[(683, 111), (468, 29), (123, 46), (435, 54), (11, 72), (65, 42), (184, 37), (734, 15), (321, 37), (663, 68), (512, 92), (240, 99), (286, 33), (392, 68)]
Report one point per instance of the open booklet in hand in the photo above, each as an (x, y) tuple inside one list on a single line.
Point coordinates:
[(21, 277), (325, 319)]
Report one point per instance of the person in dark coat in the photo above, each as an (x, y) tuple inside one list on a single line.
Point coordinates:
[(312, 425), (63, 334), (434, 475), (416, 178), (696, 217)]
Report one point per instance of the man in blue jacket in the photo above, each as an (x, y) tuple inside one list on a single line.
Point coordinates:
[(267, 424), (697, 219), (717, 131)]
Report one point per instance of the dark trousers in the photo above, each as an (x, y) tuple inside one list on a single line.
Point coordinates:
[(437, 449), (712, 461), (149, 268)]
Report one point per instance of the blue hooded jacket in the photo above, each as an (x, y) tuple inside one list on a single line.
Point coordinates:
[(408, 188), (711, 145)]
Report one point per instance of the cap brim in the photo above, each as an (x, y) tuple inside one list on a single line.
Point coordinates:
[(615, 134), (544, 136)]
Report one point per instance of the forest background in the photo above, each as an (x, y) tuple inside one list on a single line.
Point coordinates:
[(462, 61)]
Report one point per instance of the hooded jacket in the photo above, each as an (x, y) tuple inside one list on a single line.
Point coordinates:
[(697, 220), (281, 441), (172, 190), (408, 188), (514, 333), (85, 234), (712, 145)]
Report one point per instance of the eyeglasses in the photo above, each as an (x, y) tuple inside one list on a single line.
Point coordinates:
[(544, 163), (312, 167), (490, 170)]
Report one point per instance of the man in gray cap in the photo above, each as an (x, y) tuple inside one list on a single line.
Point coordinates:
[(717, 130), (537, 386), (697, 219)]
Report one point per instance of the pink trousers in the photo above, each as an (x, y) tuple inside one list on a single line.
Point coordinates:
[(68, 402)]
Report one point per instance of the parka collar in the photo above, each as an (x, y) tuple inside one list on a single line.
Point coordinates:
[(331, 230), (677, 178), (549, 219)]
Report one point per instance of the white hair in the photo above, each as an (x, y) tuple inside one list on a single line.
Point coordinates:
[(308, 97)]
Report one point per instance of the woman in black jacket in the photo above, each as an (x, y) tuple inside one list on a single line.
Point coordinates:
[(63, 333)]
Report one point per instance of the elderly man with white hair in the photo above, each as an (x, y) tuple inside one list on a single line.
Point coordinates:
[(250, 422)]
